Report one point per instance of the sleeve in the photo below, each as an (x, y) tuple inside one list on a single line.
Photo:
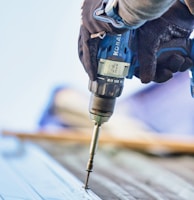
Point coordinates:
[(136, 13), (190, 5)]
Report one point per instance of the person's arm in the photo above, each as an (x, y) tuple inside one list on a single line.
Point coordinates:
[(136, 13), (190, 5)]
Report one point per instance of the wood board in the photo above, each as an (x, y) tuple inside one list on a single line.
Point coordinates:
[(124, 174)]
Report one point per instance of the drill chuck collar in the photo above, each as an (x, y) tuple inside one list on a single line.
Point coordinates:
[(101, 108), (104, 92)]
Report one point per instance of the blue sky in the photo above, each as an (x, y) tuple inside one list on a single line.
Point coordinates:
[(38, 50)]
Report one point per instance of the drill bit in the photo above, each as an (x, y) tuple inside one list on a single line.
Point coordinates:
[(93, 147)]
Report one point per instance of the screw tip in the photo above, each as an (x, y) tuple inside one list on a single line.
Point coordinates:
[(87, 180)]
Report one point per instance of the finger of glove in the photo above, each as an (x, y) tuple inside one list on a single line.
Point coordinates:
[(93, 50), (170, 60), (89, 64), (147, 48), (174, 62), (179, 62), (162, 75), (187, 64), (167, 64), (175, 55), (80, 47)]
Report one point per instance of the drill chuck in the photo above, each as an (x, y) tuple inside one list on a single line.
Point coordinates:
[(106, 88), (101, 108), (104, 92)]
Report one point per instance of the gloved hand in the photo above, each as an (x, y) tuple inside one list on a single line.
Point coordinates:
[(89, 39), (170, 62), (170, 30)]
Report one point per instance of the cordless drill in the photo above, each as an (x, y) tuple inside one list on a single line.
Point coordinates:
[(114, 65), (117, 60)]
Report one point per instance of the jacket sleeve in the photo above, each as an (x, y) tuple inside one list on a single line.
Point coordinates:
[(190, 5), (136, 13)]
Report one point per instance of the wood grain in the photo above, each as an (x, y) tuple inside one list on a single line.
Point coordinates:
[(154, 144), (121, 173)]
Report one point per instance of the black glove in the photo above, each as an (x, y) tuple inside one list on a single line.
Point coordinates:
[(170, 30), (87, 46), (173, 61)]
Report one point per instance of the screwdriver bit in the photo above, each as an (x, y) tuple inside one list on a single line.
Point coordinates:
[(93, 147)]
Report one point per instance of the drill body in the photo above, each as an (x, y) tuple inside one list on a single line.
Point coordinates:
[(114, 65)]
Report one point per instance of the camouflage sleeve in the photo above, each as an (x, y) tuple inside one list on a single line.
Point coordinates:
[(136, 13)]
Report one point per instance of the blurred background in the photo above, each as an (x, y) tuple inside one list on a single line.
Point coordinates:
[(38, 52)]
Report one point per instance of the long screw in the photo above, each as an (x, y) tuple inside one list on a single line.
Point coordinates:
[(93, 147)]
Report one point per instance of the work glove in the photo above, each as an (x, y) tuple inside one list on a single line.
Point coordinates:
[(91, 32), (171, 30)]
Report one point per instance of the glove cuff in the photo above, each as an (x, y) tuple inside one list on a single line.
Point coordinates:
[(108, 13)]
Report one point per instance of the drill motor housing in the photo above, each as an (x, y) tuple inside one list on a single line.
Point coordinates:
[(114, 65)]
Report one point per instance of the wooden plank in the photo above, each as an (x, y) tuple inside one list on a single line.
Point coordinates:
[(119, 172), (28, 172), (152, 144)]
